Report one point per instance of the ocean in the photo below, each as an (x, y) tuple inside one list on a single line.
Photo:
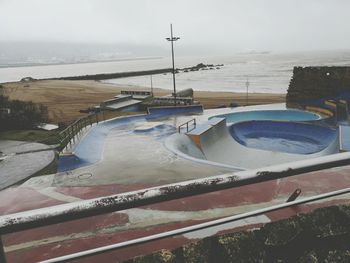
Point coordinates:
[(265, 72)]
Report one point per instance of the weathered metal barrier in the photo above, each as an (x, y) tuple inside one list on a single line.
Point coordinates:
[(66, 212)]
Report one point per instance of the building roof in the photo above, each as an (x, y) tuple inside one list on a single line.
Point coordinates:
[(122, 104)]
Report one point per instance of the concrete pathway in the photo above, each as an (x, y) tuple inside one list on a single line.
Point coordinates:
[(20, 160)]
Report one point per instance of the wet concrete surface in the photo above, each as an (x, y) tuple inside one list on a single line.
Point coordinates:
[(130, 156), (135, 160), (21, 160)]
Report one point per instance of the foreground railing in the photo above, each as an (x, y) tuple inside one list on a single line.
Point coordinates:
[(189, 229), (77, 210)]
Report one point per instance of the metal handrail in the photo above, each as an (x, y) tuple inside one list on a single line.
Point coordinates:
[(68, 134), (187, 125), (196, 227), (97, 206), (73, 129), (77, 210)]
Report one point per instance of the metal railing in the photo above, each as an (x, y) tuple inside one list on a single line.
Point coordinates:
[(68, 135), (187, 125), (196, 227), (66, 212)]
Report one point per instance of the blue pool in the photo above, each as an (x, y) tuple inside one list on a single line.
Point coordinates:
[(289, 137), (269, 115)]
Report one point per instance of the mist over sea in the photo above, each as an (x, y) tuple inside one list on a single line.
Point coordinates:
[(266, 72)]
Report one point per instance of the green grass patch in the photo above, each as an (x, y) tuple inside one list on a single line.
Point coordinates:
[(47, 137)]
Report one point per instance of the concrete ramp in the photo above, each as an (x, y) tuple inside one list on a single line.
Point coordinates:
[(218, 146)]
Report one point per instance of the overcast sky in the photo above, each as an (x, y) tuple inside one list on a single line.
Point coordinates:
[(217, 25)]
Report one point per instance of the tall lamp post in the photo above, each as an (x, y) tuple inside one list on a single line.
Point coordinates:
[(172, 39), (247, 91)]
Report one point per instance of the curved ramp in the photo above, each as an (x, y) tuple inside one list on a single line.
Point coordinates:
[(288, 137), (217, 145)]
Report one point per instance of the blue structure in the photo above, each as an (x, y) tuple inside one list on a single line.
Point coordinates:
[(269, 115), (89, 150), (289, 137)]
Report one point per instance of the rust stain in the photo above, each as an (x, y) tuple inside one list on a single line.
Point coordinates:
[(271, 174)]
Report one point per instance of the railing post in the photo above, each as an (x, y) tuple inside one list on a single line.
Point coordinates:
[(73, 132), (69, 138), (2, 251), (80, 126)]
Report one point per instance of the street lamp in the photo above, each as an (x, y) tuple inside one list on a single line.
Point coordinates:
[(172, 39)]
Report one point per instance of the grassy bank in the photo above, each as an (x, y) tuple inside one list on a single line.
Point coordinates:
[(47, 137)]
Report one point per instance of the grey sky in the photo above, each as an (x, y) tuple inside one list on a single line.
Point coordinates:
[(218, 25)]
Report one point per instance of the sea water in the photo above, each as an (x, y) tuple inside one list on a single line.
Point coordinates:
[(262, 73)]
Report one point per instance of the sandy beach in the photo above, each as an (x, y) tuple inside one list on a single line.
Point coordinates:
[(64, 98)]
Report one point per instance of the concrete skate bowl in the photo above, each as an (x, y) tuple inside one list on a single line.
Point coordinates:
[(288, 137), (256, 144), (270, 115)]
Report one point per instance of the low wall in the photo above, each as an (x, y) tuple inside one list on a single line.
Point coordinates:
[(172, 110)]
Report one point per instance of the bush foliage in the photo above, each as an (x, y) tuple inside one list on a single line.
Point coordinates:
[(23, 115)]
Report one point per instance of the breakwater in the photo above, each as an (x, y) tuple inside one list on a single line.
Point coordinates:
[(105, 76)]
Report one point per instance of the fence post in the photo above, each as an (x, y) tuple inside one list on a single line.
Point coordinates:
[(73, 132), (80, 126)]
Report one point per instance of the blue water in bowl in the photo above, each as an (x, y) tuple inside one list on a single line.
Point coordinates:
[(289, 137), (269, 115)]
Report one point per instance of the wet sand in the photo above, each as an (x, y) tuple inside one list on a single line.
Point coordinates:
[(64, 98)]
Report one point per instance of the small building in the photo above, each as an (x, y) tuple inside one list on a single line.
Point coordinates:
[(122, 103), (137, 95), (183, 97), (171, 100), (184, 93)]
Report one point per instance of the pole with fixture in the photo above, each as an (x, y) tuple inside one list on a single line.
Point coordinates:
[(247, 86), (172, 39), (152, 86)]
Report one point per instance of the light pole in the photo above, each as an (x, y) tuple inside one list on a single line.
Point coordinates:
[(247, 86), (151, 86), (172, 39)]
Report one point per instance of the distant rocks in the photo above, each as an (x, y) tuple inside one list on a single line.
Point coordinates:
[(199, 67), (27, 79)]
